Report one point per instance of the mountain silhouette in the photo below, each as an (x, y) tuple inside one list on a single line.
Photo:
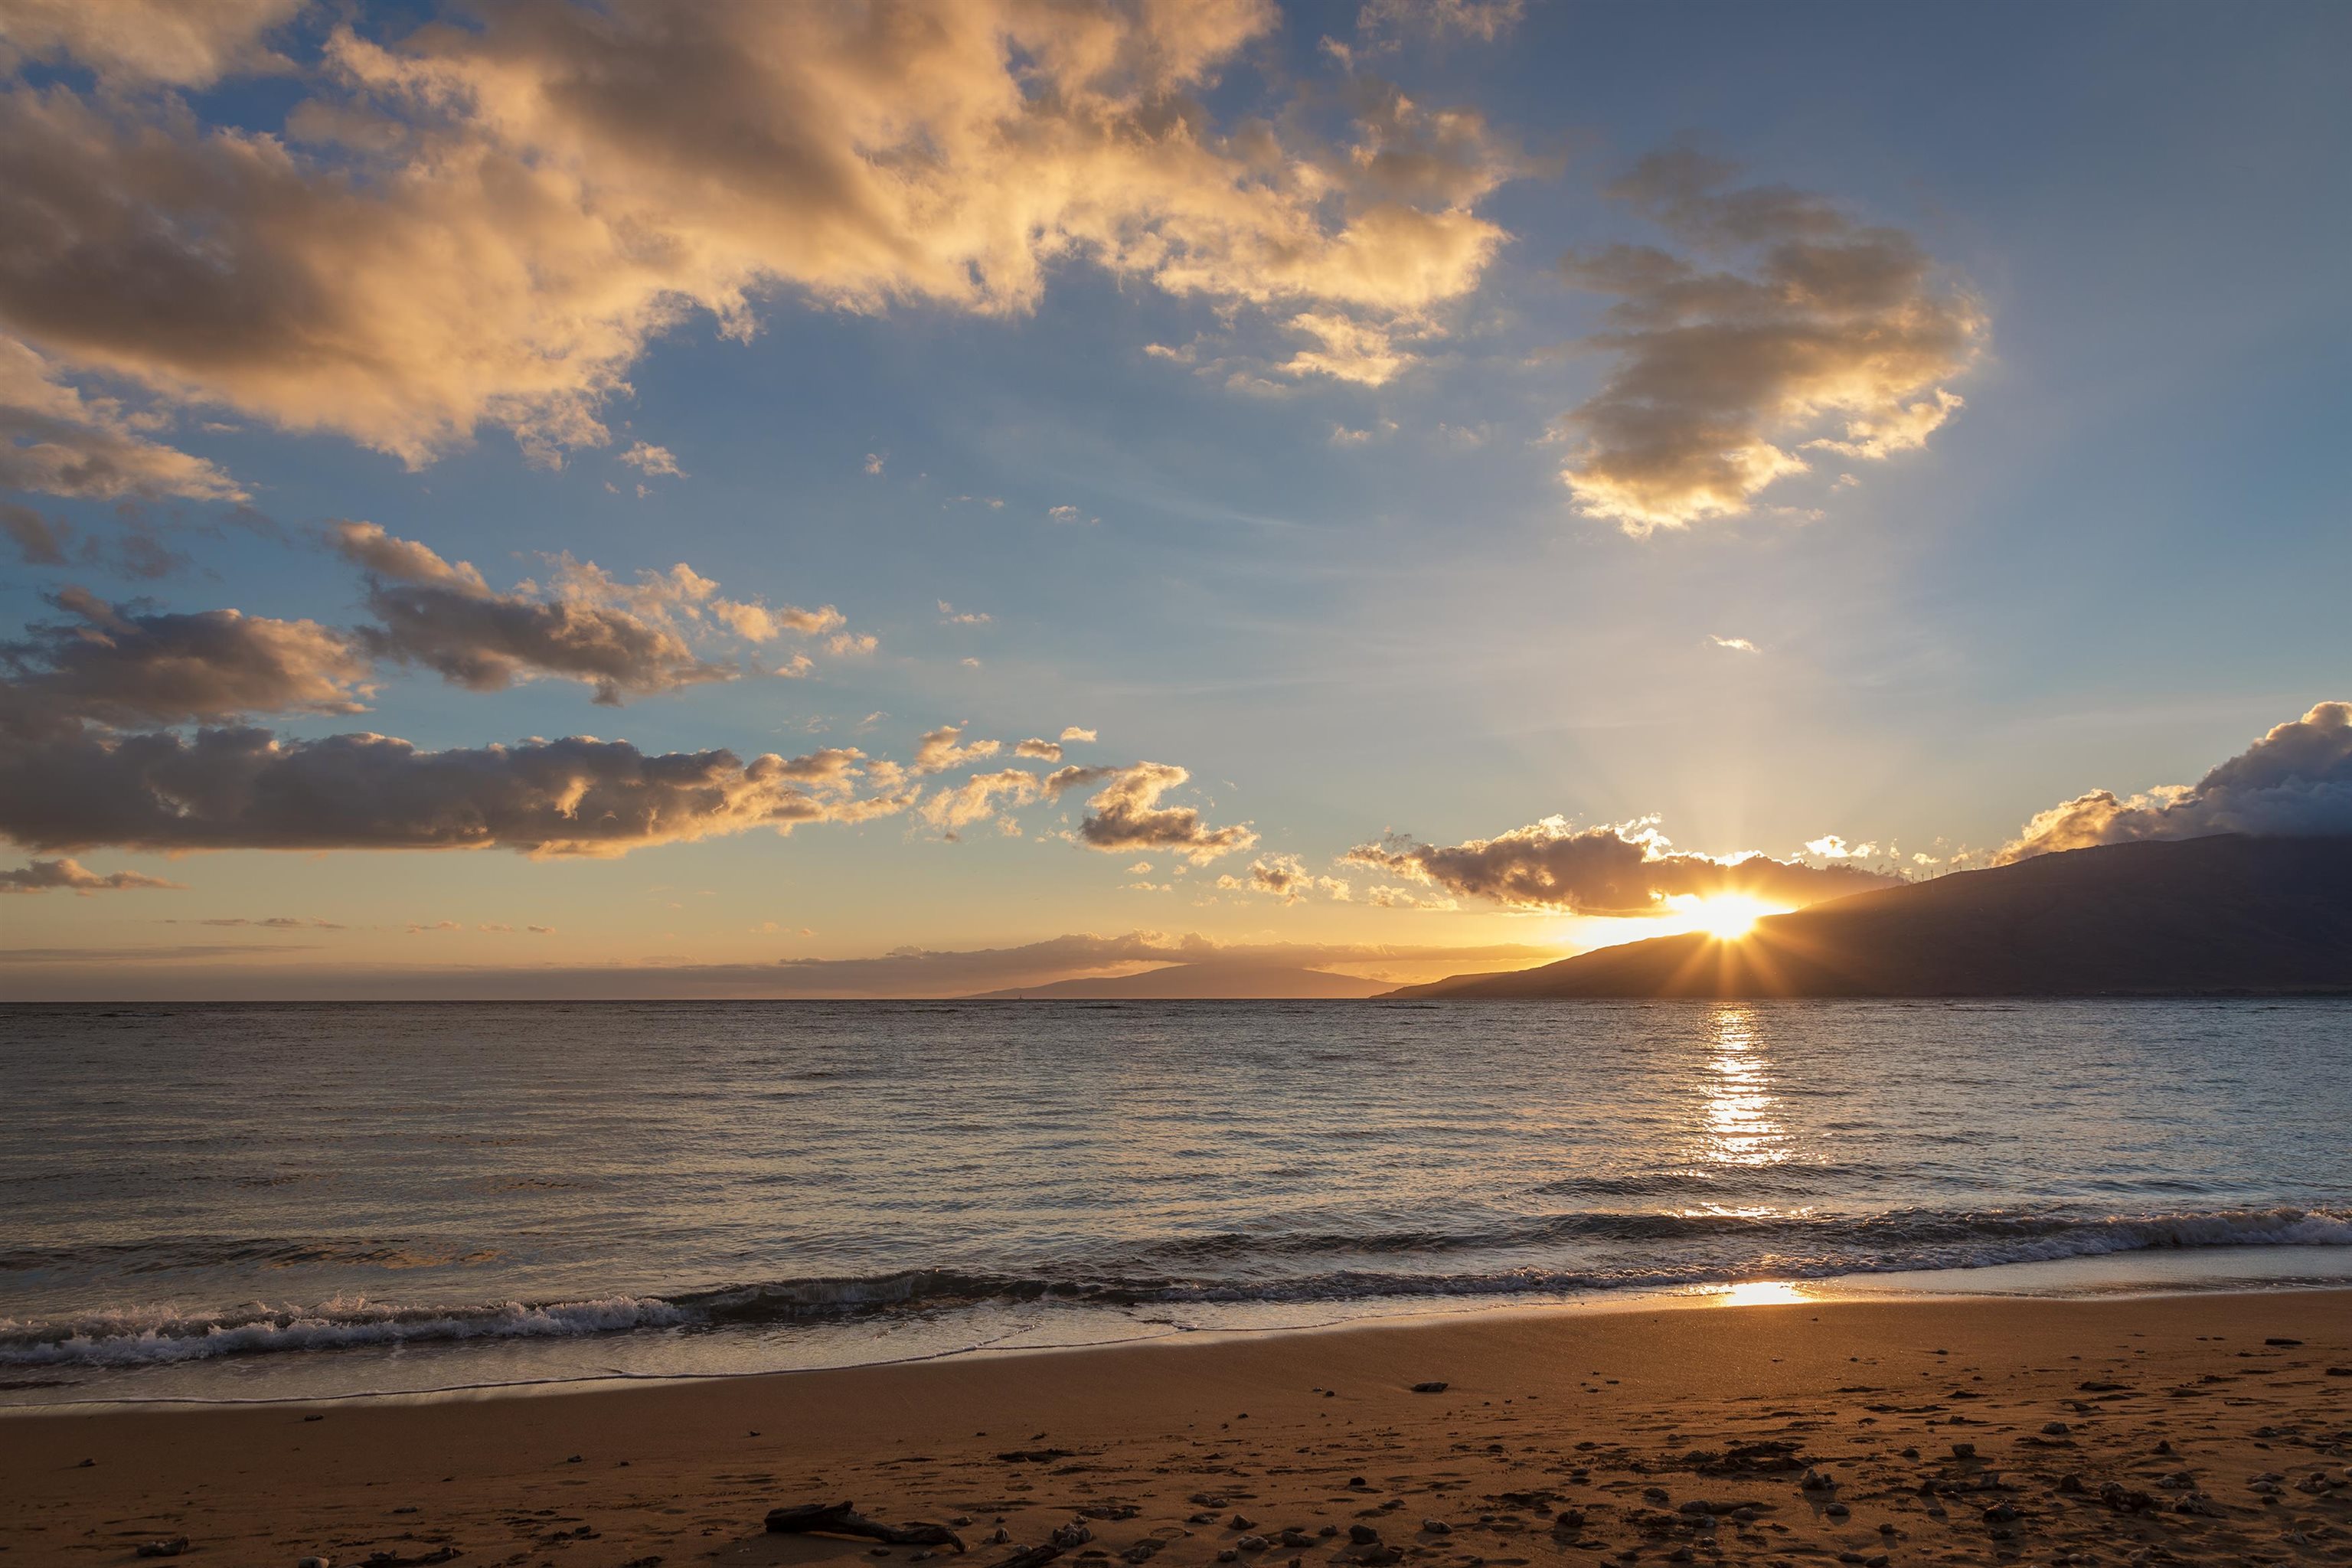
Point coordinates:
[(2218, 916)]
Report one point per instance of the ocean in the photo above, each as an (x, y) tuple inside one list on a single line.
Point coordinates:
[(287, 1201)]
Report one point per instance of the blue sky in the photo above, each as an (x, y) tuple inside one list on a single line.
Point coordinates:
[(1345, 609)]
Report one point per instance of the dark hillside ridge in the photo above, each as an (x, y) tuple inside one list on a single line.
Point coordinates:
[(2196, 917)]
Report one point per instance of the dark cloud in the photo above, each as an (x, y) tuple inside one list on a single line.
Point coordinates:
[(246, 789), (623, 640), (267, 922), (2296, 781), (121, 666), (1601, 871), (909, 972), (1820, 334), (71, 875), (39, 541), (1126, 814), (43, 541)]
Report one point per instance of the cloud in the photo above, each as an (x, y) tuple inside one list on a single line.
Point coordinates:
[(1286, 877), (1044, 750), (622, 639), (978, 798), (381, 554), (952, 616), (270, 922), (1833, 848), (648, 459), (2296, 780), (1385, 23), (135, 551), (124, 667), (1734, 645), (1388, 898), (1069, 514), (908, 971), (764, 623), (484, 223), (1348, 350), (1126, 814), (39, 541), (1622, 870), (168, 42), (942, 749), (58, 441), (245, 788), (874, 462), (1074, 733), (1722, 377), (415, 929), (47, 876)]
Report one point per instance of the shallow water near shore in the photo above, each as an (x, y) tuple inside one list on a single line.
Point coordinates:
[(289, 1201)]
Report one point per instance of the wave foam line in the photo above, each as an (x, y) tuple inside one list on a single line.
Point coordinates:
[(1902, 1242)]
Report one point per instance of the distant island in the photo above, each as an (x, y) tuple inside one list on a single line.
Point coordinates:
[(2218, 916), (1201, 982)]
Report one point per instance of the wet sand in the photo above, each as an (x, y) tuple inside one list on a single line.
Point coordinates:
[(2203, 1428)]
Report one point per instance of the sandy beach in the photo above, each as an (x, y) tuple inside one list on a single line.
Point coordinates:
[(2196, 1428)]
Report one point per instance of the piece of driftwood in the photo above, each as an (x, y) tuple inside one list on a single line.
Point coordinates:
[(843, 1519), (1032, 1557)]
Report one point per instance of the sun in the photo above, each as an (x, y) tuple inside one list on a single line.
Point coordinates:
[(1728, 917)]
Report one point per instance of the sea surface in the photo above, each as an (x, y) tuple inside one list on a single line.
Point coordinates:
[(231, 1202)]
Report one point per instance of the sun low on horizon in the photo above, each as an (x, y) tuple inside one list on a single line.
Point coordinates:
[(1726, 917), (1093, 783), (707, 502)]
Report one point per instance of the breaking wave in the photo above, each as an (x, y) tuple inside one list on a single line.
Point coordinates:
[(1590, 1253)]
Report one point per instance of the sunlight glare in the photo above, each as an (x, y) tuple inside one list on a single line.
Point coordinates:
[(1761, 1293), (1726, 917)]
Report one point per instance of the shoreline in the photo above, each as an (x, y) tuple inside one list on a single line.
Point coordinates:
[(1278, 1424), (2138, 1274)]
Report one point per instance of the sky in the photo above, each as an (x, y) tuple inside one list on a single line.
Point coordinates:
[(838, 498)]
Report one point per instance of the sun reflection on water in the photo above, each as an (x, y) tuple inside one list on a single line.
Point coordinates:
[(1761, 1293), (1741, 1115)]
